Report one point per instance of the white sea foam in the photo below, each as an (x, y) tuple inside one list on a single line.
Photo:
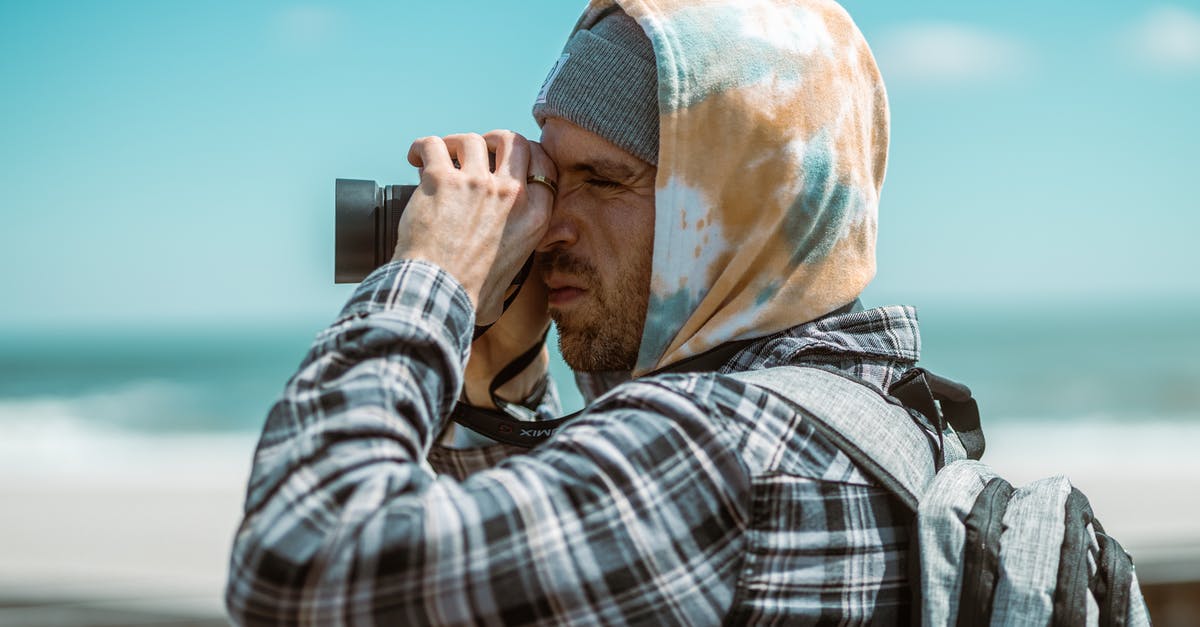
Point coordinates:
[(79, 438), (136, 402)]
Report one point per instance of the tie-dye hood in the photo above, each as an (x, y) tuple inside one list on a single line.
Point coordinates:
[(772, 150)]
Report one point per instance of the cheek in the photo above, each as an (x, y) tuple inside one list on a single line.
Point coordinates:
[(638, 248), (622, 234), (631, 228), (643, 230)]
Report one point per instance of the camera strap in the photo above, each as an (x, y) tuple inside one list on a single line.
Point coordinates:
[(501, 427), (512, 423)]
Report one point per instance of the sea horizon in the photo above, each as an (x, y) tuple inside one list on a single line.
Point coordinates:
[(1082, 363)]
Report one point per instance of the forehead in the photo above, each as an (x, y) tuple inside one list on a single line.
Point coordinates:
[(569, 145)]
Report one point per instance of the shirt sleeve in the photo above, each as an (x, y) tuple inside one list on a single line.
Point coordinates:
[(632, 513)]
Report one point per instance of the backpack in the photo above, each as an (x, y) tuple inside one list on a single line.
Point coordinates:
[(985, 552)]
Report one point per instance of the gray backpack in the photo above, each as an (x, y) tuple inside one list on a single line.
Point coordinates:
[(988, 554)]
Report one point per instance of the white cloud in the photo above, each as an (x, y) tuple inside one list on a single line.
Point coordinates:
[(1167, 38), (306, 27), (948, 53)]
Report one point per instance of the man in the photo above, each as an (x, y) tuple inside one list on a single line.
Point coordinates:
[(717, 167)]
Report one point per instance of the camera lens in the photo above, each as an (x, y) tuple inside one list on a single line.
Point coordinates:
[(365, 226)]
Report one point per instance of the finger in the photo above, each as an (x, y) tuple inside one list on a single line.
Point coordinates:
[(541, 163), (512, 153), (429, 152), (471, 151)]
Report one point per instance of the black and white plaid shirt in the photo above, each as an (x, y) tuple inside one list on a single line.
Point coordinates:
[(674, 499)]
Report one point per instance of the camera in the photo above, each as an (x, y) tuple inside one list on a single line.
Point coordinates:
[(365, 226)]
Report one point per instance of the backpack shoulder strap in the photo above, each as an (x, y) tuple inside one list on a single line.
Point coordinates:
[(881, 436)]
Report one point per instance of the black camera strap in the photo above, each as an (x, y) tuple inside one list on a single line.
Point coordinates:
[(512, 423), (501, 427)]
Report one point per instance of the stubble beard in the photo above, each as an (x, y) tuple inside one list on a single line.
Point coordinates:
[(606, 334)]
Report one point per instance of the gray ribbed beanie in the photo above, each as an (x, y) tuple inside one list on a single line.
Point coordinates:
[(606, 82)]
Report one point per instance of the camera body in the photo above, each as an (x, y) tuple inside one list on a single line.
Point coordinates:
[(367, 217)]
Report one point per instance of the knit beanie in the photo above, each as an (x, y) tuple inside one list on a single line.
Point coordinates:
[(606, 82)]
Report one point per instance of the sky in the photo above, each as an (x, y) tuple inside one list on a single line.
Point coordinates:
[(172, 164)]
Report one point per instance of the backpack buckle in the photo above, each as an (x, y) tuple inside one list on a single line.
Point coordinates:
[(942, 401)]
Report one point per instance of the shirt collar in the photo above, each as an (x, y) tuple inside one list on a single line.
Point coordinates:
[(882, 334)]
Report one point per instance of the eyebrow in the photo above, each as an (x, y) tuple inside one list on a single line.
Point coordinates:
[(606, 168)]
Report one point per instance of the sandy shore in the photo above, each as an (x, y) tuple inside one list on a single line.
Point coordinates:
[(145, 524), (1143, 482), (118, 523)]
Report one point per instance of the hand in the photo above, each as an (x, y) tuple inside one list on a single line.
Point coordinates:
[(518, 329), (477, 224)]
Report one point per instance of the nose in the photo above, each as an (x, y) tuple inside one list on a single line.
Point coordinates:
[(563, 231)]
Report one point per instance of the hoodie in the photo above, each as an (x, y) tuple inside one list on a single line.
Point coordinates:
[(773, 144)]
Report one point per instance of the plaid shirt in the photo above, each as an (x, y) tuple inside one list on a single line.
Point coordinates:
[(674, 499)]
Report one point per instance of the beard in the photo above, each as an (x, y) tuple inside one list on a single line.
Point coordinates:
[(606, 333)]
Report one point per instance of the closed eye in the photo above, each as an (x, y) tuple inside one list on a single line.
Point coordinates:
[(595, 182)]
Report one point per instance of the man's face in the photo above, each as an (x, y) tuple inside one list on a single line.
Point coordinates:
[(596, 256)]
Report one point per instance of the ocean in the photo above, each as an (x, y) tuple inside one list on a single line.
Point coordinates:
[(1086, 366)]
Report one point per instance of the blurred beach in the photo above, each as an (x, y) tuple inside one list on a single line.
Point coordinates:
[(124, 456)]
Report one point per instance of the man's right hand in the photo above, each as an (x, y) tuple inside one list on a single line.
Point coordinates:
[(477, 224)]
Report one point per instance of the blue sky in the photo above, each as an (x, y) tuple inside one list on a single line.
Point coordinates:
[(172, 164)]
